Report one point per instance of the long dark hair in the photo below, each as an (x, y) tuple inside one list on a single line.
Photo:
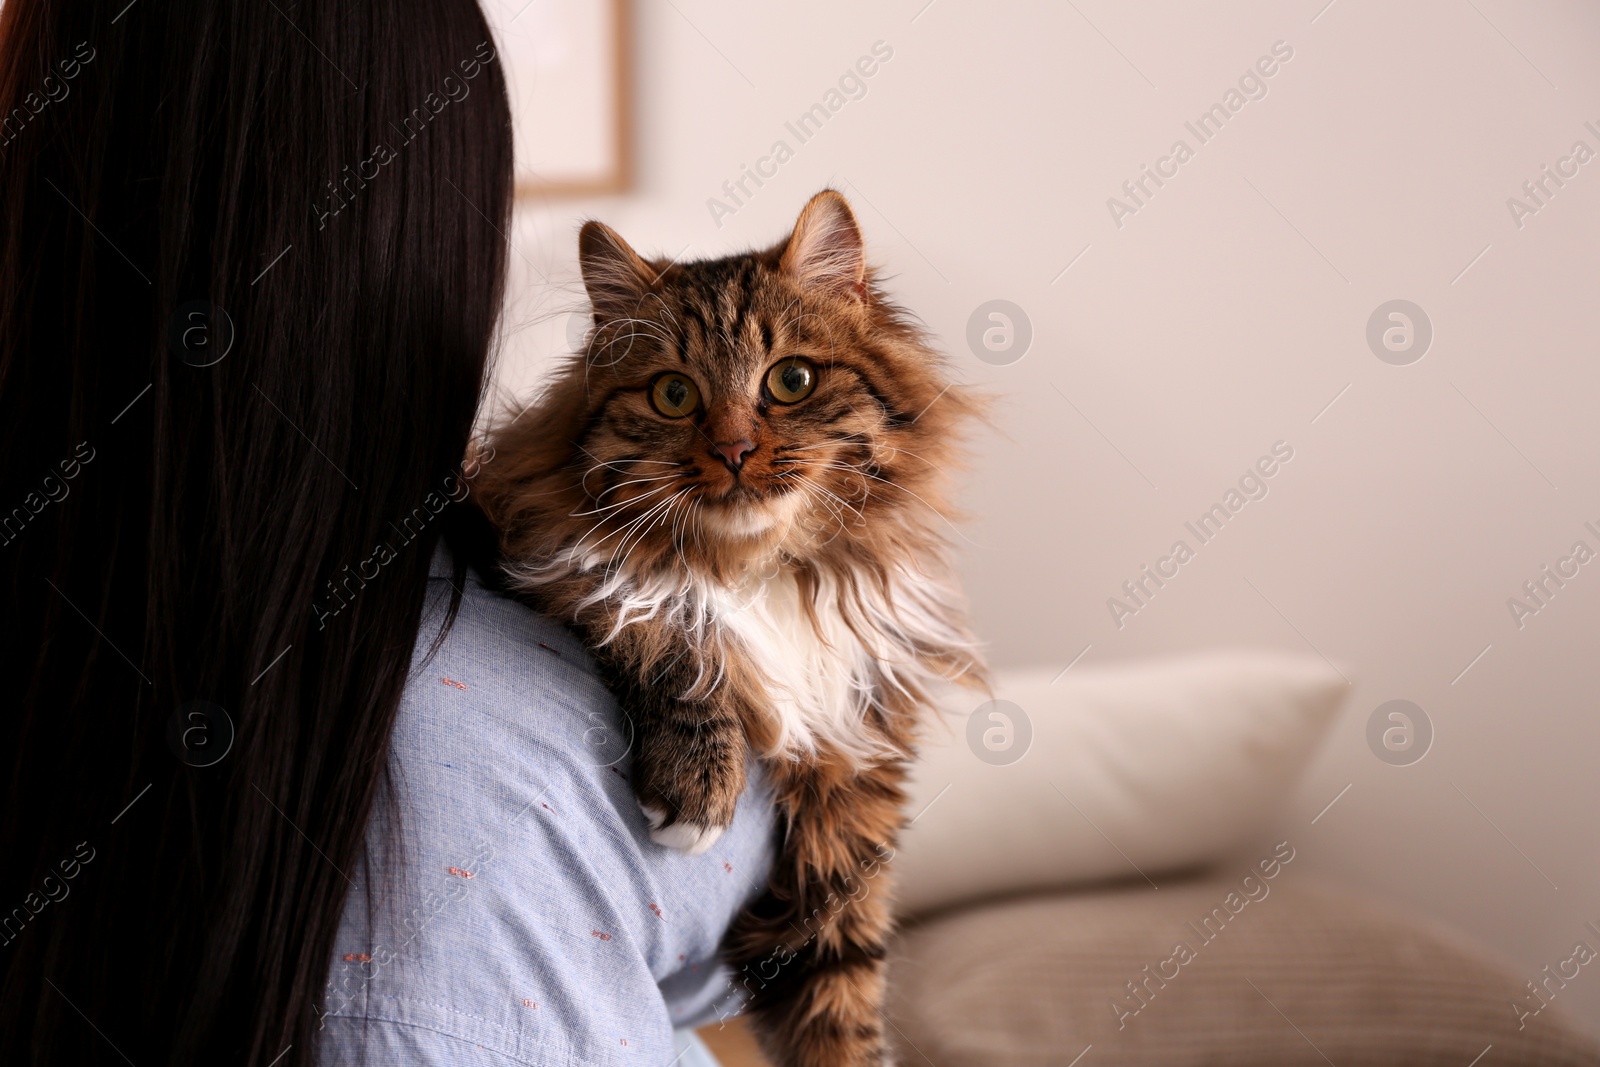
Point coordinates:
[(251, 261)]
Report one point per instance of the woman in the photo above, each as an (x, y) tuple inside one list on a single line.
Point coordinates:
[(252, 259)]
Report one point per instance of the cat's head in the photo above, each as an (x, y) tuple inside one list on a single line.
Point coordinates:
[(767, 400)]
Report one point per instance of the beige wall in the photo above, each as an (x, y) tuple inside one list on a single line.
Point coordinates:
[(1221, 317)]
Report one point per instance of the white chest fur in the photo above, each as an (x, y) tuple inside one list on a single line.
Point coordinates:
[(824, 676), (824, 679)]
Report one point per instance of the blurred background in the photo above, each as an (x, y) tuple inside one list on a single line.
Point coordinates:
[(1375, 253)]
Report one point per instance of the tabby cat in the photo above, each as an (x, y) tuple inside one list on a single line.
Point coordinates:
[(734, 495)]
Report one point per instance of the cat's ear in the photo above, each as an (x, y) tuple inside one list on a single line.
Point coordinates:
[(616, 278), (826, 251)]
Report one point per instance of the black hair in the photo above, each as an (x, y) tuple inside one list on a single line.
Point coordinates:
[(250, 273)]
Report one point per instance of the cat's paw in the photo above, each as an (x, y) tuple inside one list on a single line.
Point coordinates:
[(692, 838), (688, 812), (688, 777)]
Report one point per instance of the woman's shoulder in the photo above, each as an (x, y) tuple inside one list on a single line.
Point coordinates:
[(508, 697), (504, 646), (525, 909)]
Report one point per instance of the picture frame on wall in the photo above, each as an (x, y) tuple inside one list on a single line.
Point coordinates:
[(566, 64)]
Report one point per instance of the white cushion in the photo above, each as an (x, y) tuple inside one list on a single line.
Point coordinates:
[(1149, 767)]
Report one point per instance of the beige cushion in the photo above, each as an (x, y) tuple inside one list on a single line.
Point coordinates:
[(1032, 981), (1180, 761)]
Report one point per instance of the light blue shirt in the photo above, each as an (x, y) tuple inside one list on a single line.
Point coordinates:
[(527, 919)]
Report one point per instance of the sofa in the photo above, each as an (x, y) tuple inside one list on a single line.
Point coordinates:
[(1096, 872)]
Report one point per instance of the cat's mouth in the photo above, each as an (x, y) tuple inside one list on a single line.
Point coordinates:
[(741, 492), (743, 486), (743, 509)]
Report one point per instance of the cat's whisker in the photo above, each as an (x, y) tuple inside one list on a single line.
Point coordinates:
[(670, 515), (838, 454), (648, 326), (623, 548), (677, 523), (817, 491), (634, 523), (665, 517), (620, 464), (857, 472), (845, 504), (615, 463), (810, 489), (930, 507), (691, 514), (615, 334), (830, 443), (666, 477), (608, 511), (605, 512), (666, 309), (897, 450), (635, 481), (830, 465), (601, 495), (639, 535)]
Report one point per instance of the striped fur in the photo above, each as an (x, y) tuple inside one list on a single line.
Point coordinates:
[(797, 605)]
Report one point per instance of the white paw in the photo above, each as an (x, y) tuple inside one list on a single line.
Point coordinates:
[(684, 836), (687, 837)]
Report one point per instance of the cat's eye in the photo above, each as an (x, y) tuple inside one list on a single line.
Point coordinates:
[(791, 380), (674, 395)]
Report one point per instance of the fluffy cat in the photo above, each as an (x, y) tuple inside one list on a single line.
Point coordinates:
[(734, 494)]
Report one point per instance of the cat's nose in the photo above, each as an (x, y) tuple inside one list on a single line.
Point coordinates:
[(733, 452)]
